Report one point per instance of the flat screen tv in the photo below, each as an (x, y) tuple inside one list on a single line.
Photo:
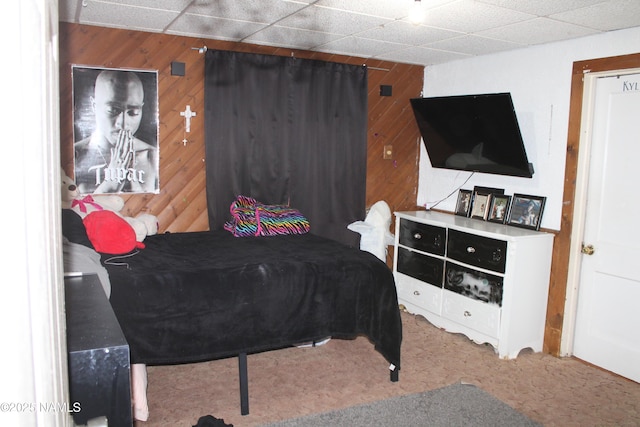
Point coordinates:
[(477, 133)]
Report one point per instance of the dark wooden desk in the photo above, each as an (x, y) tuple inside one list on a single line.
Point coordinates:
[(98, 354)]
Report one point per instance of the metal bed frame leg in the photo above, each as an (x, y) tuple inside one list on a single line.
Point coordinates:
[(244, 384), (394, 375)]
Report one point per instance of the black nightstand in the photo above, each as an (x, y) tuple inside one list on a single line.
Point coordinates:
[(99, 370)]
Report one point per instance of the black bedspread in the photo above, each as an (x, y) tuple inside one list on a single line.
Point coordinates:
[(191, 297)]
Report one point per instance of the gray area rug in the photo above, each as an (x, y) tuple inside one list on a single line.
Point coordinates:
[(454, 405)]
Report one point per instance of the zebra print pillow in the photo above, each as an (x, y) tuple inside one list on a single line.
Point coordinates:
[(252, 218)]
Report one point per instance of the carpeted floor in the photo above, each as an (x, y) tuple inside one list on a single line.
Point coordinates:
[(457, 405), (296, 382)]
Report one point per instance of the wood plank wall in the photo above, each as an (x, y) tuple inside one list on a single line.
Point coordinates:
[(181, 204)]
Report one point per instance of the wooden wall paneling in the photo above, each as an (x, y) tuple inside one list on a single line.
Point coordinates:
[(391, 122), (181, 203)]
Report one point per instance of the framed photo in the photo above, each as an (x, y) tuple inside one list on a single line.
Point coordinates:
[(464, 203), (480, 206), (526, 211), (487, 190), (115, 130), (499, 208)]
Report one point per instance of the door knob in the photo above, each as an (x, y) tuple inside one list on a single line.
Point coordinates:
[(588, 249)]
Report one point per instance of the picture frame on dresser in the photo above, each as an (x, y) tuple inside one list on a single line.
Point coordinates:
[(499, 208), (463, 206), (487, 190), (480, 206), (526, 211)]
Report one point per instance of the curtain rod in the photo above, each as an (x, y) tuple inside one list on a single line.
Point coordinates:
[(204, 49), (376, 68)]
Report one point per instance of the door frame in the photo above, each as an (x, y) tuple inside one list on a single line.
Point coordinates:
[(580, 213), (563, 290)]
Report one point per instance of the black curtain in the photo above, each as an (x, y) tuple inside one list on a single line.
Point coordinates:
[(285, 130)]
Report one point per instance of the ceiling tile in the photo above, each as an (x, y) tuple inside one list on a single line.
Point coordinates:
[(391, 9), (213, 28), (120, 15), (357, 46), (404, 32), (607, 16), (331, 21), (421, 56), (263, 11), (470, 16), (536, 31), (474, 45), (541, 7), (283, 36), (172, 5)]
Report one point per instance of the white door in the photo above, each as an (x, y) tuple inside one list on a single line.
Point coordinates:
[(607, 331)]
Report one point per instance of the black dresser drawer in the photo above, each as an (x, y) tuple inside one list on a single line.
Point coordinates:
[(422, 267), (423, 237), (478, 251)]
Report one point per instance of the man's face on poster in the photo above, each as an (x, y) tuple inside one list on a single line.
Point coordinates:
[(118, 104)]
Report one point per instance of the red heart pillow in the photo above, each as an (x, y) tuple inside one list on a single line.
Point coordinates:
[(110, 233)]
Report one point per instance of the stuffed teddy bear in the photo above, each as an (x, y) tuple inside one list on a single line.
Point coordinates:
[(69, 190), (84, 205), (143, 225)]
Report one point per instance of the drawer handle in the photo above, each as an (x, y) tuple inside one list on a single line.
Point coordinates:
[(471, 249), (417, 236), (416, 293), (467, 313)]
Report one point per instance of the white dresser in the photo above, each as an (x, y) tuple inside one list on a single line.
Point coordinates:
[(487, 281)]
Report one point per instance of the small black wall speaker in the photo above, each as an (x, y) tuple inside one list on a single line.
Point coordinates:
[(177, 68), (385, 90)]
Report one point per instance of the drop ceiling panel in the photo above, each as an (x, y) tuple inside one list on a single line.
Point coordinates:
[(406, 33), (282, 36), (214, 28), (542, 7), (469, 16), (451, 29), (263, 11), (604, 16), (474, 45), (422, 56), (392, 9), (174, 5), (537, 31), (356, 46), (126, 16), (331, 21)]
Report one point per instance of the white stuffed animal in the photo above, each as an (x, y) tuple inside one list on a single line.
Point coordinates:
[(68, 190), (374, 230), (144, 224)]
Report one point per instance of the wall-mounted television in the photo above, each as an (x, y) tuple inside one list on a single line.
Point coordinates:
[(477, 133)]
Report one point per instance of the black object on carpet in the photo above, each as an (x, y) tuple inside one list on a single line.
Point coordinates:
[(211, 421), (451, 406)]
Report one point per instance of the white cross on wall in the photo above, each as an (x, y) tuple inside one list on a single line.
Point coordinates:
[(187, 114)]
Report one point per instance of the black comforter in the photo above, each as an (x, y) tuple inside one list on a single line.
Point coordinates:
[(191, 297)]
